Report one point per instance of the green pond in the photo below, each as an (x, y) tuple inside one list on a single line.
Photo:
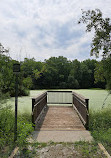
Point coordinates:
[(96, 99)]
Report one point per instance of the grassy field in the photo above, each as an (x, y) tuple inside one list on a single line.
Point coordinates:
[(96, 98)]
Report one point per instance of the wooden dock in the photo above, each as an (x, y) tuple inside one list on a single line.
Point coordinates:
[(59, 118), (60, 123)]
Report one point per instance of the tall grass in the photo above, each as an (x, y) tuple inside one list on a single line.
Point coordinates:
[(7, 130), (100, 127)]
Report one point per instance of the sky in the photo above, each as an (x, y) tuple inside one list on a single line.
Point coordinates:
[(46, 28)]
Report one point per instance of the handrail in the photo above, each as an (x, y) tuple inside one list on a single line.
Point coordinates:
[(81, 106), (38, 104), (59, 97)]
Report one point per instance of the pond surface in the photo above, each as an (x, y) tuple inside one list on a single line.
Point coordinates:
[(96, 99)]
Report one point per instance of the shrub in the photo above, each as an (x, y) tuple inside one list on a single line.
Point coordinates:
[(24, 127), (6, 126), (100, 127), (100, 120)]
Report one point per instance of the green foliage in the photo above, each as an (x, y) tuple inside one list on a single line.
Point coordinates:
[(7, 129), (99, 72), (7, 77), (103, 72), (107, 71), (55, 72), (6, 126), (72, 82), (87, 149), (100, 120), (102, 27), (24, 129), (101, 42), (27, 82), (100, 127)]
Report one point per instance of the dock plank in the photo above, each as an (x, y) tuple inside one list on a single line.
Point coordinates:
[(60, 118)]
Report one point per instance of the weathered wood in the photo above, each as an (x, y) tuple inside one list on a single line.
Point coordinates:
[(81, 106), (104, 150), (79, 102), (59, 97), (38, 104), (14, 152), (59, 118)]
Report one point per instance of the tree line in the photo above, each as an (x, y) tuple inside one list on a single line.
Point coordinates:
[(53, 73)]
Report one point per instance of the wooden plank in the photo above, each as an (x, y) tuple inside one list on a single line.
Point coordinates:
[(59, 118), (14, 152), (104, 150)]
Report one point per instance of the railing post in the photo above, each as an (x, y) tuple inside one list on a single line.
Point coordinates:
[(87, 116), (33, 102)]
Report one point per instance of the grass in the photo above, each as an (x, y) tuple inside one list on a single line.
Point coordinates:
[(100, 127), (87, 149), (7, 130)]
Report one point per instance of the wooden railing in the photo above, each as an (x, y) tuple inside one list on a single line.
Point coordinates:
[(80, 104), (38, 105), (59, 97)]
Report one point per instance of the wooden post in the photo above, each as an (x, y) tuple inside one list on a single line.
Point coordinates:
[(16, 104), (87, 116), (33, 102)]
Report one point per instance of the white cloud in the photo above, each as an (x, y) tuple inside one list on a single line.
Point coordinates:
[(45, 28)]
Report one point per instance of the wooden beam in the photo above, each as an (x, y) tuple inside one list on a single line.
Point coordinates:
[(14, 152), (104, 150)]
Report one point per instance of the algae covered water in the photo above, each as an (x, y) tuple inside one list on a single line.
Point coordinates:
[(96, 99)]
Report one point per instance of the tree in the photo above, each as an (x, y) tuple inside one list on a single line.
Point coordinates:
[(74, 77), (99, 75), (102, 31), (57, 71), (91, 65), (101, 42)]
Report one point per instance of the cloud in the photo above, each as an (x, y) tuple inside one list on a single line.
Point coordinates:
[(45, 28)]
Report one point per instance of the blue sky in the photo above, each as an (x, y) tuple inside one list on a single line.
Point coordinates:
[(45, 28)]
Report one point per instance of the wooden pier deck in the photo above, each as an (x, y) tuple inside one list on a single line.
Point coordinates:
[(60, 123), (59, 118)]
